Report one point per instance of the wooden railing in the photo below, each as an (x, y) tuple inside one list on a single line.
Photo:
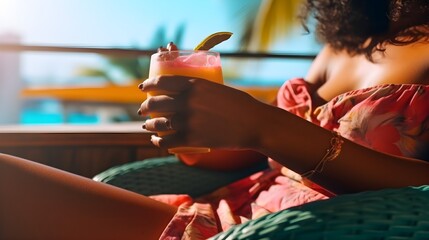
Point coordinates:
[(139, 52), (83, 150), (88, 150), (129, 94)]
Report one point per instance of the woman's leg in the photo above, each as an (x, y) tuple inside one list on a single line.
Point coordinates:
[(40, 202)]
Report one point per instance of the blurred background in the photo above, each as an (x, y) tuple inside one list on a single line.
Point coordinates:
[(80, 61)]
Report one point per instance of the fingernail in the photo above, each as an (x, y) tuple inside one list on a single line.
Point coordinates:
[(171, 47), (141, 86), (155, 140), (144, 126), (162, 49), (139, 112)]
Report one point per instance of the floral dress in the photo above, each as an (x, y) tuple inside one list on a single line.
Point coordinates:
[(390, 118)]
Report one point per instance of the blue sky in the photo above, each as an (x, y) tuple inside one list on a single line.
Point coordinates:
[(109, 22), (122, 23)]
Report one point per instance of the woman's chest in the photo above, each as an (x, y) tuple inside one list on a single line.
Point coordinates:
[(396, 66)]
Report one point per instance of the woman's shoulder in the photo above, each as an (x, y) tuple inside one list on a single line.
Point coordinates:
[(317, 74), (408, 64)]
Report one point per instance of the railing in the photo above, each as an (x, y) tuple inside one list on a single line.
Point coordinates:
[(111, 93), (81, 150), (138, 52)]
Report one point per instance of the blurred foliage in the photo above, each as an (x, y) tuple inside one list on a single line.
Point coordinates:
[(263, 22), (242, 14), (131, 68), (259, 25), (275, 20)]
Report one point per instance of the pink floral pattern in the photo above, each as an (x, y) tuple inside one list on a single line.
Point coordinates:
[(389, 118)]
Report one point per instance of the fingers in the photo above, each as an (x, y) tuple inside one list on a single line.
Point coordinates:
[(168, 141), (171, 47), (168, 83), (170, 131), (162, 124), (162, 104)]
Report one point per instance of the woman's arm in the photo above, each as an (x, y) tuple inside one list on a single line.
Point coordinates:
[(300, 145), (224, 160), (214, 115), (217, 116)]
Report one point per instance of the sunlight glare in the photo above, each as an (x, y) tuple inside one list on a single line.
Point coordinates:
[(8, 15)]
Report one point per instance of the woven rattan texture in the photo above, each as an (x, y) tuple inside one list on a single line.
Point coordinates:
[(169, 176), (392, 214)]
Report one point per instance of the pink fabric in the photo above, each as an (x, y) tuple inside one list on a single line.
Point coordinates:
[(389, 118), (252, 197)]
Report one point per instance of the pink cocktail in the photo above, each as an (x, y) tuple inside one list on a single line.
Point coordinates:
[(197, 64)]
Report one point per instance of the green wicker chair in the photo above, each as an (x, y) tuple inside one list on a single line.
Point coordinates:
[(386, 214), (168, 175), (392, 214)]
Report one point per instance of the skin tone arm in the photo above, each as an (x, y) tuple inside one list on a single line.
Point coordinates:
[(357, 168), (231, 160), (40, 202), (295, 143), (223, 160)]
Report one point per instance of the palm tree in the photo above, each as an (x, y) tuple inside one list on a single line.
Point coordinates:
[(274, 20), (132, 68)]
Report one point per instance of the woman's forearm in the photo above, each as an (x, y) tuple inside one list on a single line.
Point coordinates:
[(237, 121), (300, 145), (224, 160)]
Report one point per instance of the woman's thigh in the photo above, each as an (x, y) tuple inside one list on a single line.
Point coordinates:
[(41, 202)]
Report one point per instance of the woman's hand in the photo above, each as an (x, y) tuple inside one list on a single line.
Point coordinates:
[(202, 113)]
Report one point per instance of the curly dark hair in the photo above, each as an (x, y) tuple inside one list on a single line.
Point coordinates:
[(366, 26)]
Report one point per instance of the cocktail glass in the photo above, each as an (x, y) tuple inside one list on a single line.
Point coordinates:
[(197, 64)]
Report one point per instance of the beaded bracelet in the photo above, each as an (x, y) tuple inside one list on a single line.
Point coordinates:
[(331, 154)]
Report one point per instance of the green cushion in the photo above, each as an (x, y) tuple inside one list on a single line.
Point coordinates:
[(386, 214), (168, 175)]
